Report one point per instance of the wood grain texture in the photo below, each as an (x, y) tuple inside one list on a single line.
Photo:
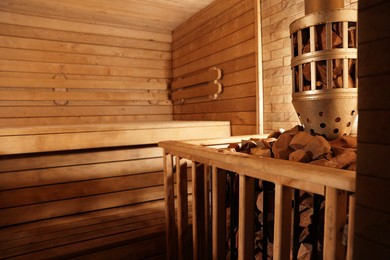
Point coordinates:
[(83, 61), (151, 15), (222, 35)]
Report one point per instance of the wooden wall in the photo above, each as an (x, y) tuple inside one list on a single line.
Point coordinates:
[(373, 178), (221, 35), (110, 73)]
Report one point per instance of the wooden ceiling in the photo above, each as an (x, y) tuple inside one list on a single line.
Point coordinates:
[(150, 15)]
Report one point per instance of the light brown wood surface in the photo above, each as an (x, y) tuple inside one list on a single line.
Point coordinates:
[(222, 35), (55, 67)]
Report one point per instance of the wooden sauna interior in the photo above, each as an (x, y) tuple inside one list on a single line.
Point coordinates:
[(89, 87)]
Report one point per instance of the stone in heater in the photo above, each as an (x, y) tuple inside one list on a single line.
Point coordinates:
[(299, 156), (317, 147), (281, 148), (300, 140)]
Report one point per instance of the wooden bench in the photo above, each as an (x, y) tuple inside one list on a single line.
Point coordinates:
[(87, 191)]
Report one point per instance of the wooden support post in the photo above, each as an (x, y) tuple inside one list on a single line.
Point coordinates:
[(335, 218), (296, 229), (169, 206), (218, 213), (198, 235), (207, 216), (351, 226), (282, 226), (182, 206), (245, 218)]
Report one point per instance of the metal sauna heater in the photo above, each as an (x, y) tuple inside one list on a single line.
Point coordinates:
[(324, 68)]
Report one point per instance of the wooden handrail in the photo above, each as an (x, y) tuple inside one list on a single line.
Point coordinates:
[(297, 175), (334, 184)]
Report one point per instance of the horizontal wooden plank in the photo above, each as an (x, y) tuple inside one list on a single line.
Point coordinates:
[(76, 40), (373, 53), (377, 250), (283, 172), (231, 53), (71, 206), (31, 95), (124, 58), (197, 91), (232, 39), (370, 223), (377, 134), (79, 220), (372, 160), (61, 159), (203, 23), (232, 105), (238, 91), (374, 93), (48, 75), (80, 128), (201, 17), (50, 111), (87, 84), (31, 178), (235, 118), (104, 242), (62, 25), (41, 139), (58, 68), (63, 231), (244, 129), (58, 242), (240, 77), (47, 193), (370, 26), (144, 249), (150, 15), (209, 75), (371, 188), (32, 121), (217, 33)]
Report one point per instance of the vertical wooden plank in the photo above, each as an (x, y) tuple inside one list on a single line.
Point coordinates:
[(259, 74), (351, 226), (282, 226), (329, 63), (335, 216), (198, 235), (218, 213), (245, 218), (169, 205), (313, 76), (182, 206), (195, 239), (207, 217)]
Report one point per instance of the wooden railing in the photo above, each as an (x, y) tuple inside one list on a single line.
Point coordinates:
[(209, 221)]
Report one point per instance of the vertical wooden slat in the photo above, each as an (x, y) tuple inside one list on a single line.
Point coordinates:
[(351, 226), (198, 235), (313, 75), (182, 206), (195, 239), (218, 213), (245, 218), (296, 229), (169, 205), (335, 216), (207, 217), (282, 226), (259, 74), (329, 63)]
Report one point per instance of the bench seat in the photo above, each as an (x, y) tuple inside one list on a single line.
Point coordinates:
[(87, 191)]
